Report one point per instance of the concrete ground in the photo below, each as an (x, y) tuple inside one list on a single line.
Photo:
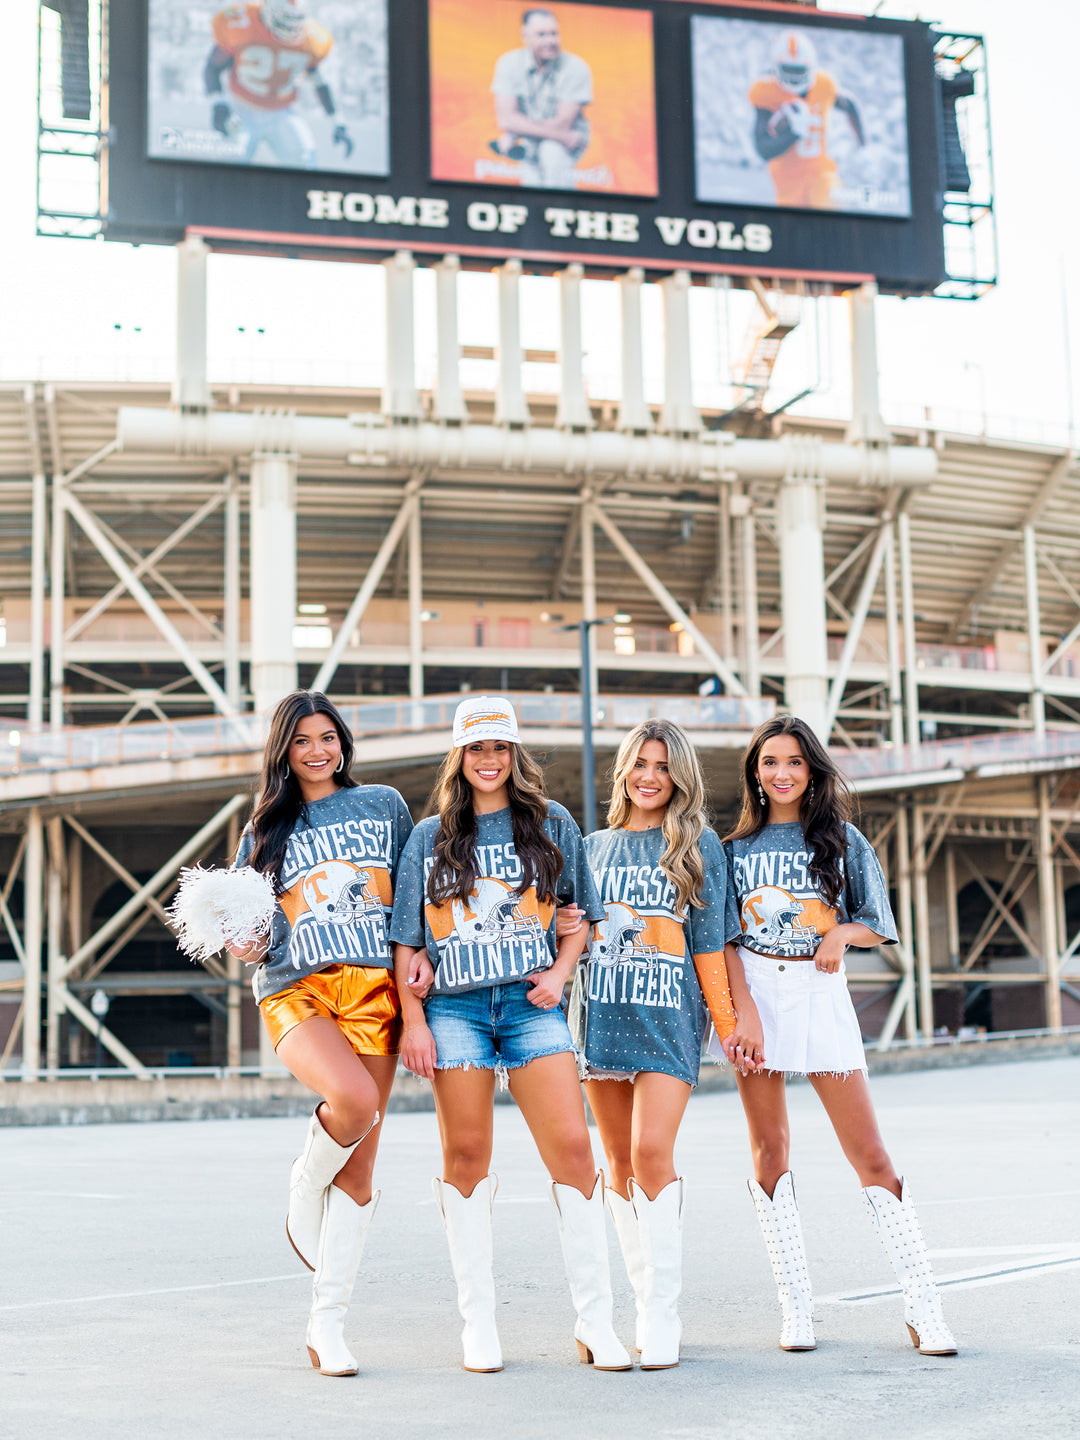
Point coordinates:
[(148, 1290)]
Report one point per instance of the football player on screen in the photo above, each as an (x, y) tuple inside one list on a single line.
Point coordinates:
[(792, 105), (269, 47)]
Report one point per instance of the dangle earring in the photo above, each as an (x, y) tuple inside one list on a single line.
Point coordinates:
[(811, 790), (341, 766), (761, 792)]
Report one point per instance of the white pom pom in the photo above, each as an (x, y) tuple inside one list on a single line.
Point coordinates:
[(215, 908)]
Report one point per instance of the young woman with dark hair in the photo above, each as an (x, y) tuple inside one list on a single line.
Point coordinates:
[(325, 985), (479, 885), (642, 1000), (807, 885)]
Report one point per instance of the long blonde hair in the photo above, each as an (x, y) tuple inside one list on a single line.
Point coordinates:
[(684, 819), (453, 874)]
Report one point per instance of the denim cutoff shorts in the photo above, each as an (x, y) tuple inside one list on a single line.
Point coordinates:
[(494, 1028)]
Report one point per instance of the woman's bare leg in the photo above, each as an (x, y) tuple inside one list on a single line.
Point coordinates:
[(765, 1104), (659, 1105), (353, 1088), (464, 1102), (612, 1105), (851, 1111), (548, 1094)]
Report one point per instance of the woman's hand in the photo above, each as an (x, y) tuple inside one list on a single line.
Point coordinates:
[(829, 955), (418, 1052), (545, 989), (252, 954), (568, 921), (421, 975), (745, 1047)]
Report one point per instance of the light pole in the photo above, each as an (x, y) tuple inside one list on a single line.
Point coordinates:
[(588, 758), (99, 1004)]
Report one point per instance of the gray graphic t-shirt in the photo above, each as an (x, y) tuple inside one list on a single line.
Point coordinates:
[(636, 1003), (780, 909), (498, 935), (338, 881)]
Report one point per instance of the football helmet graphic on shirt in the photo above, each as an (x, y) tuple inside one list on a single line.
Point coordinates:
[(617, 939), (776, 922), (494, 913), (337, 893)]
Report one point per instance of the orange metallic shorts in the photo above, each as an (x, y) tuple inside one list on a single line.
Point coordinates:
[(363, 1000)]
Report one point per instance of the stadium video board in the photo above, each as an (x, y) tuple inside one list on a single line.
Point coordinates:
[(661, 133)]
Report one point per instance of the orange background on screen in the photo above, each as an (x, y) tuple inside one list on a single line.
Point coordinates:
[(468, 36)]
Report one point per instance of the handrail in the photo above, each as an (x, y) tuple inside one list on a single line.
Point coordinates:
[(84, 747)]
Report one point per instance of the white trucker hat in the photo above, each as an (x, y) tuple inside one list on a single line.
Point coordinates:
[(485, 717)]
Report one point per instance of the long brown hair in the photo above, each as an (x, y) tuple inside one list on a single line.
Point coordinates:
[(684, 819), (280, 803), (453, 874), (823, 818)]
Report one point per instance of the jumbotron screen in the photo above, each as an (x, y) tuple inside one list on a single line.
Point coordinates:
[(666, 134)]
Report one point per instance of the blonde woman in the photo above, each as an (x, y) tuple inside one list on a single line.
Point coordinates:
[(641, 1004), (478, 885)]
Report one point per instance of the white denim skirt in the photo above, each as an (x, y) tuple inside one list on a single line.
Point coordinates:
[(807, 1018)]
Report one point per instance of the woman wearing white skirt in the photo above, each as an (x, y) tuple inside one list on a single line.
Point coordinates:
[(807, 885)]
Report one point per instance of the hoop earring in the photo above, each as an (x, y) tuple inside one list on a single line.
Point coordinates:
[(761, 792), (285, 772), (340, 765)]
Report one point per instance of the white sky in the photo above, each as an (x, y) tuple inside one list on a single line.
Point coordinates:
[(61, 301)]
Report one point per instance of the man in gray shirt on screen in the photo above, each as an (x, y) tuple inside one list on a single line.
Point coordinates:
[(540, 97)]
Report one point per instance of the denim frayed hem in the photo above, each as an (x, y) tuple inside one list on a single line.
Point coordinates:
[(502, 1069)]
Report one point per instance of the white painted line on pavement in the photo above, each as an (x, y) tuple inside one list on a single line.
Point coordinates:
[(961, 1280), (167, 1290)]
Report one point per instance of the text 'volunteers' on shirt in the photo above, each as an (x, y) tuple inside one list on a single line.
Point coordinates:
[(338, 879), (637, 1003), (782, 912), (499, 935)]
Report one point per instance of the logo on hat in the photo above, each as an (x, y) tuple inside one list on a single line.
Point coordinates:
[(485, 717)]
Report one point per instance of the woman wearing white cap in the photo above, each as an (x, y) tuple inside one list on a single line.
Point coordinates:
[(641, 1004), (478, 885)]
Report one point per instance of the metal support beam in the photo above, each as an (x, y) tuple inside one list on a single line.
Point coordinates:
[(907, 620), (1048, 904), (802, 601), (54, 1007), (33, 865), (634, 414), (510, 406), (892, 640), (573, 410), (660, 592), (400, 397), (1034, 629), (751, 626), (449, 401), (588, 593), (867, 426), (157, 881), (134, 585), (272, 568), (952, 909), (680, 415), (416, 605), (35, 710), (855, 628), (361, 600), (58, 545), (190, 388), (231, 589), (923, 959), (91, 1023)]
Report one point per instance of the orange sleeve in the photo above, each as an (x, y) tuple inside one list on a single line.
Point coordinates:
[(713, 978), (766, 95)]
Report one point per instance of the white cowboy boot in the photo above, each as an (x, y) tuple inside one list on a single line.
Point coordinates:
[(626, 1228), (584, 1244), (898, 1226), (467, 1222), (660, 1230), (341, 1244), (312, 1173), (780, 1225)]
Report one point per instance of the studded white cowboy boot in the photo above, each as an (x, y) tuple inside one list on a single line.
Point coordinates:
[(341, 1245), (585, 1249), (660, 1229), (780, 1225), (312, 1173), (898, 1226), (629, 1237), (467, 1221)]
